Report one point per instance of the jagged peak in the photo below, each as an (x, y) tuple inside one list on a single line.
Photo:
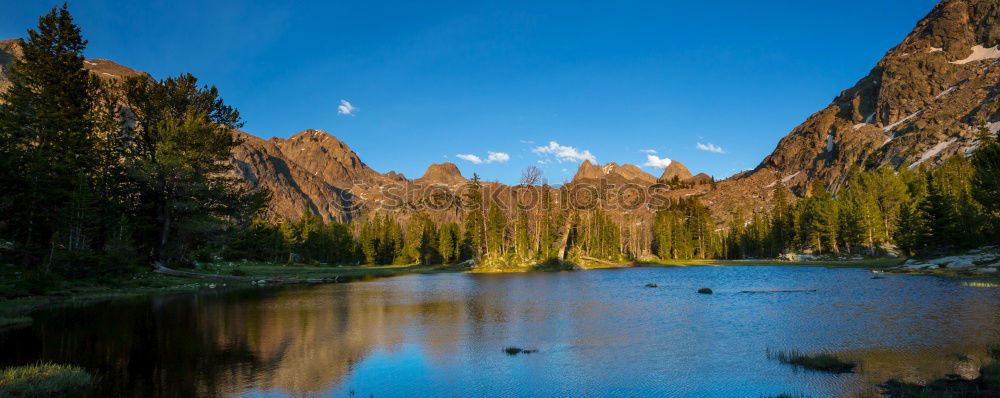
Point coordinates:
[(588, 170)]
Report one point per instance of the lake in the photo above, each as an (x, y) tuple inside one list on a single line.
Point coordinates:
[(598, 333)]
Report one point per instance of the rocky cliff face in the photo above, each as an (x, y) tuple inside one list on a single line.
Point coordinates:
[(613, 172), (9, 49), (918, 106)]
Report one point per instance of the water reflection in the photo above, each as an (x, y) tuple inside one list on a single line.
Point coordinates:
[(599, 333)]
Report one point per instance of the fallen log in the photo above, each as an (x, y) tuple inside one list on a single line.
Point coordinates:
[(161, 269), (779, 291), (605, 262)]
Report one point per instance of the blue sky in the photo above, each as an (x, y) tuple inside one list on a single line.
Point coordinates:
[(430, 80)]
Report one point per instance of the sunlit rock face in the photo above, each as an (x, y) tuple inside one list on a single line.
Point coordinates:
[(919, 105)]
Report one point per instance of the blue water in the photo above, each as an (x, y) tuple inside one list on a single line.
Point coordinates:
[(598, 333)]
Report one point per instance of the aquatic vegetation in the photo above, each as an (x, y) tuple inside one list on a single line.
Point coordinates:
[(822, 362), (986, 385), (993, 350), (42, 379)]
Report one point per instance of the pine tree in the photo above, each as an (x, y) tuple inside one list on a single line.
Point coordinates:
[(782, 231), (496, 231), (47, 141), (986, 179), (448, 242), (180, 152), (522, 241), (474, 242), (940, 217)]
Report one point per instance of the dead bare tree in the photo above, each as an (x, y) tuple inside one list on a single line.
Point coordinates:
[(531, 175)]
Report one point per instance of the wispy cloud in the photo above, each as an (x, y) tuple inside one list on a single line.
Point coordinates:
[(657, 162), (564, 153), (497, 157), (346, 108), (649, 151), (710, 147), (470, 158), (527, 142)]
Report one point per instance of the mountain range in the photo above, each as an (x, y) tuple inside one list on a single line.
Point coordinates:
[(919, 105)]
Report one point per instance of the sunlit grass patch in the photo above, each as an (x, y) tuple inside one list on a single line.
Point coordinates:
[(822, 362), (42, 379)]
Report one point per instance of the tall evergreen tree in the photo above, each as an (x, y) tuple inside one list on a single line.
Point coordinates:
[(47, 150), (986, 179), (474, 242), (182, 138)]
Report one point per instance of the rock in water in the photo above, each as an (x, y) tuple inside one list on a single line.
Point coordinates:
[(705, 290)]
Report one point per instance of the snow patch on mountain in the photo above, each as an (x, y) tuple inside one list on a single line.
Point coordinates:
[(933, 152), (980, 53), (901, 121)]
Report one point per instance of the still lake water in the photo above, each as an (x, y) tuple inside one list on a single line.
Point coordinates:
[(599, 333)]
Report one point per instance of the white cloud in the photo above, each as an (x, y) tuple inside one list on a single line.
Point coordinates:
[(710, 147), (471, 158), (346, 108), (497, 157), (491, 157), (649, 151), (564, 153), (657, 162)]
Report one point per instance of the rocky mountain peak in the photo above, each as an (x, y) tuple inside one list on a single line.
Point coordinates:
[(328, 158), (588, 170), (626, 172), (675, 169), (919, 105), (442, 173)]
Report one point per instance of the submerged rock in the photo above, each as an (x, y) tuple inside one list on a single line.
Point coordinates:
[(705, 290), (651, 285), (515, 350)]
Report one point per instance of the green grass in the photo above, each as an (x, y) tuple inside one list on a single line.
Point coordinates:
[(293, 273), (43, 379), (821, 362), (875, 263), (963, 274)]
